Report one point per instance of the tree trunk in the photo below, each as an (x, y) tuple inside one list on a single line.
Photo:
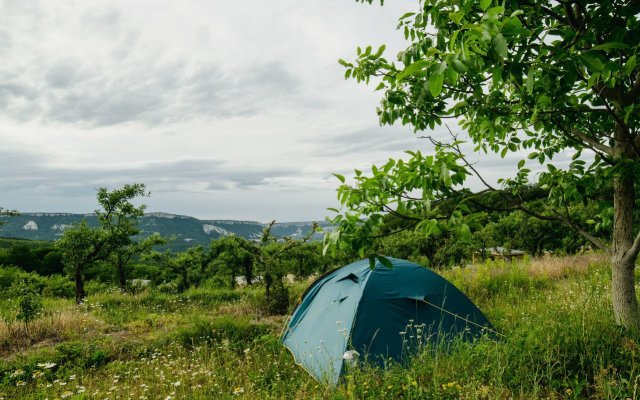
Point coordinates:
[(80, 294), (623, 291), (248, 273), (122, 275)]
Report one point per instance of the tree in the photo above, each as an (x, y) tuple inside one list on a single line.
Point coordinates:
[(549, 78), (119, 218), (7, 213), (232, 255), (269, 253), (80, 246)]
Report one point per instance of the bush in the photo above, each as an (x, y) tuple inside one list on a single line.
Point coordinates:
[(168, 287), (277, 303), (11, 277), (29, 306), (95, 287), (59, 286)]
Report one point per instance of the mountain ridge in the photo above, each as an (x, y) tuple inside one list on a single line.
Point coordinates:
[(185, 230)]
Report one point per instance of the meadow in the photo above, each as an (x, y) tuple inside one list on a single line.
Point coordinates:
[(558, 340)]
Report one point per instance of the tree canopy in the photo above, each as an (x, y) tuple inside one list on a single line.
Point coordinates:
[(548, 79)]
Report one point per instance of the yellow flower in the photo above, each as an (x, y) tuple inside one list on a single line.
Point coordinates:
[(238, 391)]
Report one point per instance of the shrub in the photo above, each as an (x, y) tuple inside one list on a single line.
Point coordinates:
[(168, 287), (11, 277), (95, 287), (277, 303), (59, 286), (29, 306)]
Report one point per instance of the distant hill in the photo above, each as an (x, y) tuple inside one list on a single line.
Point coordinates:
[(188, 231)]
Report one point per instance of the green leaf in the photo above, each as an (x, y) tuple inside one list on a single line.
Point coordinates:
[(465, 232), (592, 61), (500, 46), (385, 261), (521, 164), (456, 17), (458, 66), (372, 261), (380, 51), (610, 46), (630, 65), (435, 84), (530, 82), (340, 177), (484, 4), (412, 69), (496, 75), (446, 176)]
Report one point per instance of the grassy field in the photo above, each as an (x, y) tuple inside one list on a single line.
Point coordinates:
[(560, 341)]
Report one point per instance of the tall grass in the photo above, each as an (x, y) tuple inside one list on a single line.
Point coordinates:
[(559, 342)]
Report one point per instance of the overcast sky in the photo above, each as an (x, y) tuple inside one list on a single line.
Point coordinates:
[(224, 109)]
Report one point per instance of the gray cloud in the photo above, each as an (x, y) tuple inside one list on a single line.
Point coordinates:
[(367, 140), (152, 95), (30, 173)]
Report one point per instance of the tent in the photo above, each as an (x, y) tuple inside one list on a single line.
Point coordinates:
[(380, 313)]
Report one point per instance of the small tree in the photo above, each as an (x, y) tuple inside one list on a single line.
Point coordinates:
[(233, 255), (81, 246), (29, 305), (268, 257), (119, 218)]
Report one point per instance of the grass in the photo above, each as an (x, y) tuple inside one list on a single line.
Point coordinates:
[(560, 342)]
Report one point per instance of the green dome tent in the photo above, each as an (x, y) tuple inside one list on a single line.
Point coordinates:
[(379, 313)]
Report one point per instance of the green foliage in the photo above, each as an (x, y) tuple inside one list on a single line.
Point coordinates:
[(236, 333), (29, 305), (82, 245), (12, 277), (58, 286), (537, 77), (559, 342)]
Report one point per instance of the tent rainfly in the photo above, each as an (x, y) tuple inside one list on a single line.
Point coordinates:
[(377, 314)]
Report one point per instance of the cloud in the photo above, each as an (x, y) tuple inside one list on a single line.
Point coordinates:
[(33, 173), (152, 95), (366, 140)]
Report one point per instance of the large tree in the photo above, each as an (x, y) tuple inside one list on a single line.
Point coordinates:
[(547, 78)]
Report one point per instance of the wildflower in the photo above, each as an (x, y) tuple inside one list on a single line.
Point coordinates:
[(47, 365), (238, 391), (21, 383), (65, 394), (37, 374), (17, 373), (176, 383), (72, 377), (351, 357), (81, 389)]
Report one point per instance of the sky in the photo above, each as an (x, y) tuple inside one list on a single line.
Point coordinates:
[(224, 109)]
